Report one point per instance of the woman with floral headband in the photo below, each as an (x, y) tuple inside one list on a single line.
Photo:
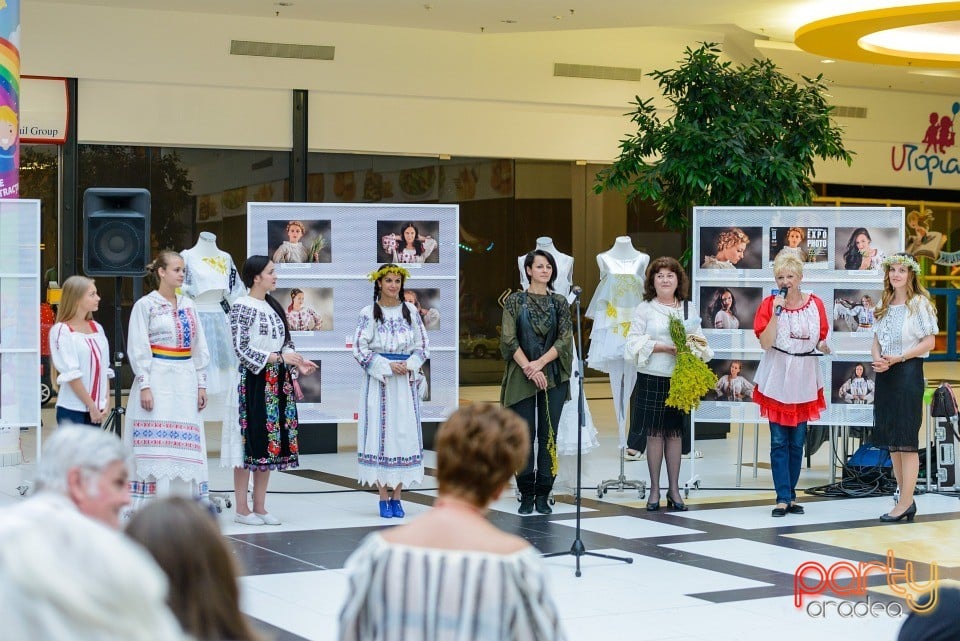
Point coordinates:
[(391, 346), (905, 331), (293, 250)]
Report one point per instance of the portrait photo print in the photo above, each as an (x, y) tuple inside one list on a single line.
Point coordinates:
[(311, 385), (291, 241), (408, 242), (309, 309), (729, 307), (731, 248)]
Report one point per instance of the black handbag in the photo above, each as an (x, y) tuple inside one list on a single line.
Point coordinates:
[(944, 403)]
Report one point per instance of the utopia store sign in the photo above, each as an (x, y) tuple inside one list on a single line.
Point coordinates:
[(940, 135), (849, 580)]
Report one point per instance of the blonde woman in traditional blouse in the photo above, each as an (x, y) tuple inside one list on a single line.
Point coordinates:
[(905, 332), (169, 357), (81, 355)]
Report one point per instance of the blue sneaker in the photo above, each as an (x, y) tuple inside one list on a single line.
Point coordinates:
[(397, 509), (386, 511)]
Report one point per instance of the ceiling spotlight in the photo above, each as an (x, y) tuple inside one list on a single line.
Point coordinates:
[(558, 17), (828, 61), (509, 21)]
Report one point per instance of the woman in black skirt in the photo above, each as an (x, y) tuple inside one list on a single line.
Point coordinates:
[(906, 324), (268, 413), (651, 350)]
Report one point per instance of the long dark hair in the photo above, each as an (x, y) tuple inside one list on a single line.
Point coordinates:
[(717, 304), (253, 267), (852, 259), (532, 256), (377, 312), (417, 244)]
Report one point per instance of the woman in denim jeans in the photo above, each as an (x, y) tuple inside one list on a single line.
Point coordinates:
[(789, 383)]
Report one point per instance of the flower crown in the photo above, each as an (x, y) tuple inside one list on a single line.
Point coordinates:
[(901, 259), (388, 269)]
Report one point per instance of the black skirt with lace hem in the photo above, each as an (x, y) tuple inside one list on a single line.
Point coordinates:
[(898, 407)]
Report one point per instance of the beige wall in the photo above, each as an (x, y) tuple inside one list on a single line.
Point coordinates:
[(166, 78)]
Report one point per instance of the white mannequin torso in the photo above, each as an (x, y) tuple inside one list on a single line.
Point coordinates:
[(623, 258), (564, 280)]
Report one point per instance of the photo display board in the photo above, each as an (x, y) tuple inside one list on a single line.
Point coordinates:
[(323, 262), (19, 324), (842, 249)]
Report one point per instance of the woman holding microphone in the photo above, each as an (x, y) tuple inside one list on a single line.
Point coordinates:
[(791, 325)]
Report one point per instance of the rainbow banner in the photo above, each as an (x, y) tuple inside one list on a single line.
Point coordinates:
[(9, 98)]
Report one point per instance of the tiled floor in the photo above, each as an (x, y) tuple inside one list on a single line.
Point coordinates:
[(723, 570)]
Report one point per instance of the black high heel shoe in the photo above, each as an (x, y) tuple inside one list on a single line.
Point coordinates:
[(653, 507), (676, 506), (908, 514)]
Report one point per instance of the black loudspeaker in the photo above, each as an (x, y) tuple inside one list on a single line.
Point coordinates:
[(116, 232)]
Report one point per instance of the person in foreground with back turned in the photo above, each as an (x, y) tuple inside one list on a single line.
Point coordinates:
[(183, 538), (450, 574), (535, 340), (906, 328), (791, 326)]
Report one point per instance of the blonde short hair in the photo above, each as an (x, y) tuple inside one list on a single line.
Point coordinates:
[(787, 261)]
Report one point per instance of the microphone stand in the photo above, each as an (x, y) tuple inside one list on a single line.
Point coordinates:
[(578, 549)]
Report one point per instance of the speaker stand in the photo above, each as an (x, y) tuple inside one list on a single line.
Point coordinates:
[(114, 419)]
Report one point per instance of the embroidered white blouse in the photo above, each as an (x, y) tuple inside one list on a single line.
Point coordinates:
[(651, 325), (206, 273), (904, 326), (81, 356), (257, 332), (156, 323)]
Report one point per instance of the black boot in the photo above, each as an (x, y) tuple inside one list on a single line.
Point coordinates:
[(526, 504), (543, 505)]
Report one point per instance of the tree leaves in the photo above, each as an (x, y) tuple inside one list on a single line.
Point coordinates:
[(739, 135)]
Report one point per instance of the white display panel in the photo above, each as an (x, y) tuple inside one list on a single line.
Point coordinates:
[(19, 324), (828, 239), (333, 280)]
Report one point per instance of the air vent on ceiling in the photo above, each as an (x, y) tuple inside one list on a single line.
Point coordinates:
[(280, 50), (845, 111), (596, 71)]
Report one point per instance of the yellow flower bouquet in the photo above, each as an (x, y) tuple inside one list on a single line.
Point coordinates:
[(691, 378)]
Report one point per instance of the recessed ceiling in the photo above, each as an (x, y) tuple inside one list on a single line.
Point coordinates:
[(752, 27)]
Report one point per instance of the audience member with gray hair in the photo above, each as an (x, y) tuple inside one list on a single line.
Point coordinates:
[(85, 467), (66, 573)]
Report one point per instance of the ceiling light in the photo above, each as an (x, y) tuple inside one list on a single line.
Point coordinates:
[(920, 35), (828, 61), (509, 21)]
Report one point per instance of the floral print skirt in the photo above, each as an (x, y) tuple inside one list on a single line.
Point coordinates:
[(268, 419)]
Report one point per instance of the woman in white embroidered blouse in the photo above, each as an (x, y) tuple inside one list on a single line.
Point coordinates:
[(905, 331), (650, 349), (169, 356), (450, 574), (81, 355)]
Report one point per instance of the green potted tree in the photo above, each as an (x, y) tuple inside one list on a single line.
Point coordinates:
[(738, 135)]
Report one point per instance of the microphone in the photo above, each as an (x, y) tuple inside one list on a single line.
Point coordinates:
[(576, 290), (778, 292)]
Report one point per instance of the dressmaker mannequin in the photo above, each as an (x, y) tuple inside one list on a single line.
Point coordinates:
[(212, 281), (622, 272), (569, 418)]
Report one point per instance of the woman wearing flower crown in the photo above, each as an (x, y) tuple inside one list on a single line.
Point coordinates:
[(391, 346), (904, 334)]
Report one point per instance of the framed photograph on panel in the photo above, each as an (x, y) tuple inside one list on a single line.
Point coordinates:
[(311, 386), (731, 248), (852, 383), (309, 309), (299, 241), (809, 244), (408, 242), (734, 380), (729, 307), (427, 303), (853, 309), (864, 248)]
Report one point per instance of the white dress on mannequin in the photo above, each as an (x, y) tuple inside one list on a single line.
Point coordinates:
[(211, 278), (622, 271), (569, 418)]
